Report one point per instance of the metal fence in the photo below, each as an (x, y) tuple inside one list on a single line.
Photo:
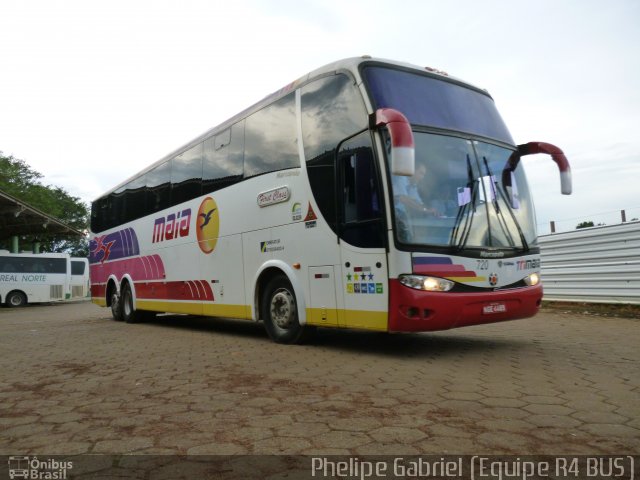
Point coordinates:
[(598, 264)]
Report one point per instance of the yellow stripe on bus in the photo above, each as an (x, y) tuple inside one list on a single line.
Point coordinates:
[(196, 308), (361, 319)]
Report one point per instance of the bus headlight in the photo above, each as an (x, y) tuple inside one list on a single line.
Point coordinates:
[(429, 284), (532, 280)]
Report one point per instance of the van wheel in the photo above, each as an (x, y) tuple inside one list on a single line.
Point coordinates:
[(129, 314), (16, 299), (280, 313)]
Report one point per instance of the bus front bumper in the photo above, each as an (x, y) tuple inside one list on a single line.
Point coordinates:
[(418, 311)]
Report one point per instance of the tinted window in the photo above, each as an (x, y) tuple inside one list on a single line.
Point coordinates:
[(135, 199), (221, 140), (77, 268), (271, 139), (32, 265), (159, 188), (269, 144), (425, 100), (186, 175), (223, 158), (332, 110), (117, 206), (99, 214)]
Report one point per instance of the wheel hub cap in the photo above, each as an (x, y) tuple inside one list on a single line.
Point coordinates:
[(282, 308)]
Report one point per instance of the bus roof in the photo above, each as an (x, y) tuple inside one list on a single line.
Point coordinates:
[(7, 253), (348, 64)]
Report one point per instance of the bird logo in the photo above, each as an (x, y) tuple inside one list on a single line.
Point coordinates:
[(208, 222), (207, 217)]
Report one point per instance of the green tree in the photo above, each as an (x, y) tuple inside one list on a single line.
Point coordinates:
[(585, 224), (18, 179)]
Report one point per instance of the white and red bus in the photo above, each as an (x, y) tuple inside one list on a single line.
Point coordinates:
[(368, 194)]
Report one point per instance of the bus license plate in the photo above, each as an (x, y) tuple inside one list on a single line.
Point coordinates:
[(494, 308)]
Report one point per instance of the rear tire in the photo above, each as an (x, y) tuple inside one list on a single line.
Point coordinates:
[(129, 314), (116, 305), (280, 313), (16, 299)]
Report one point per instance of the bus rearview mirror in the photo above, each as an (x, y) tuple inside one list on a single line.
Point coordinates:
[(402, 144), (556, 154)]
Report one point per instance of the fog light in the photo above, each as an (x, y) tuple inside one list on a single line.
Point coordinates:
[(532, 280), (412, 312), (429, 284)]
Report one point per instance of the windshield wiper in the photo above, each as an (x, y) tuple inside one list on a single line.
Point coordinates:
[(501, 220), (463, 212)]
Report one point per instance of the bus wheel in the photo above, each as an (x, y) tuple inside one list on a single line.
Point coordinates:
[(129, 314), (280, 312), (116, 307), (16, 299)]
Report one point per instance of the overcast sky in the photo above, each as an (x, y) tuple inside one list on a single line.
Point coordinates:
[(91, 92)]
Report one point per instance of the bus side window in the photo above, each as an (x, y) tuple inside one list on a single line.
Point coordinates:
[(11, 264), (159, 188), (99, 213), (271, 139), (135, 198), (223, 159), (186, 175), (117, 207), (77, 268)]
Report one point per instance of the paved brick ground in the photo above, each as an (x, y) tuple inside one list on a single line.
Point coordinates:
[(73, 381)]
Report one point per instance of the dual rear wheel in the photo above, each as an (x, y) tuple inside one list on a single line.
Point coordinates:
[(122, 308), (279, 311)]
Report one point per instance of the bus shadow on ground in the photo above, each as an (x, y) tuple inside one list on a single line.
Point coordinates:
[(418, 345), (401, 345), (215, 325)]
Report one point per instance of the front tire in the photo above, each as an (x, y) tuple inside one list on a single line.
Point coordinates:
[(280, 313)]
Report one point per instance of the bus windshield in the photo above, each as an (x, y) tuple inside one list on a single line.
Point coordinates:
[(436, 102), (457, 197)]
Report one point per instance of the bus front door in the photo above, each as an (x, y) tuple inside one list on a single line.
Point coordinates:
[(362, 237)]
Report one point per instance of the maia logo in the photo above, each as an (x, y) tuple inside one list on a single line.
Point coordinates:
[(175, 225)]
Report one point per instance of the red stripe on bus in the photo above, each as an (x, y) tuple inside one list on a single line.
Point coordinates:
[(179, 290), (199, 290), (140, 268)]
